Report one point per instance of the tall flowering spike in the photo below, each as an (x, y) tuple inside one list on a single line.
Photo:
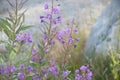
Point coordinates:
[(46, 6)]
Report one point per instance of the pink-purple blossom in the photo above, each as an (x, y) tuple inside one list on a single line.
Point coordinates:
[(46, 6)]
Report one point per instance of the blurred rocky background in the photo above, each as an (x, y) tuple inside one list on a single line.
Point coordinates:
[(105, 33)]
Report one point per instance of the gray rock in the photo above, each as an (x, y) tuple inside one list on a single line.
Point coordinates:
[(105, 32)]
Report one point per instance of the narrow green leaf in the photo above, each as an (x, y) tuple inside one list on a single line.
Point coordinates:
[(41, 50), (5, 22), (5, 28), (22, 28), (12, 56), (28, 78), (3, 41)]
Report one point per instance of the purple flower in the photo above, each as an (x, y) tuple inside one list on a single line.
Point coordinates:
[(21, 76), (24, 38), (12, 68), (44, 72), (60, 36), (65, 73), (77, 39), (53, 70), (30, 68), (68, 31), (86, 74), (56, 11), (33, 58), (77, 71), (46, 6), (21, 66), (30, 39), (78, 77), (52, 62), (41, 17), (76, 30), (70, 40), (75, 46), (63, 42), (83, 68), (45, 37), (89, 73), (7, 70), (18, 36), (48, 16), (54, 21), (34, 51), (27, 38), (59, 19), (2, 69), (40, 60), (52, 43)]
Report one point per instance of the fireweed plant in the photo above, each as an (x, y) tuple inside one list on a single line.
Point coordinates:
[(32, 64)]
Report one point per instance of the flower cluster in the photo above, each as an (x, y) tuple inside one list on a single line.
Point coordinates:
[(65, 73), (52, 14), (35, 56), (24, 38), (66, 36), (86, 74), (8, 69), (53, 68)]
